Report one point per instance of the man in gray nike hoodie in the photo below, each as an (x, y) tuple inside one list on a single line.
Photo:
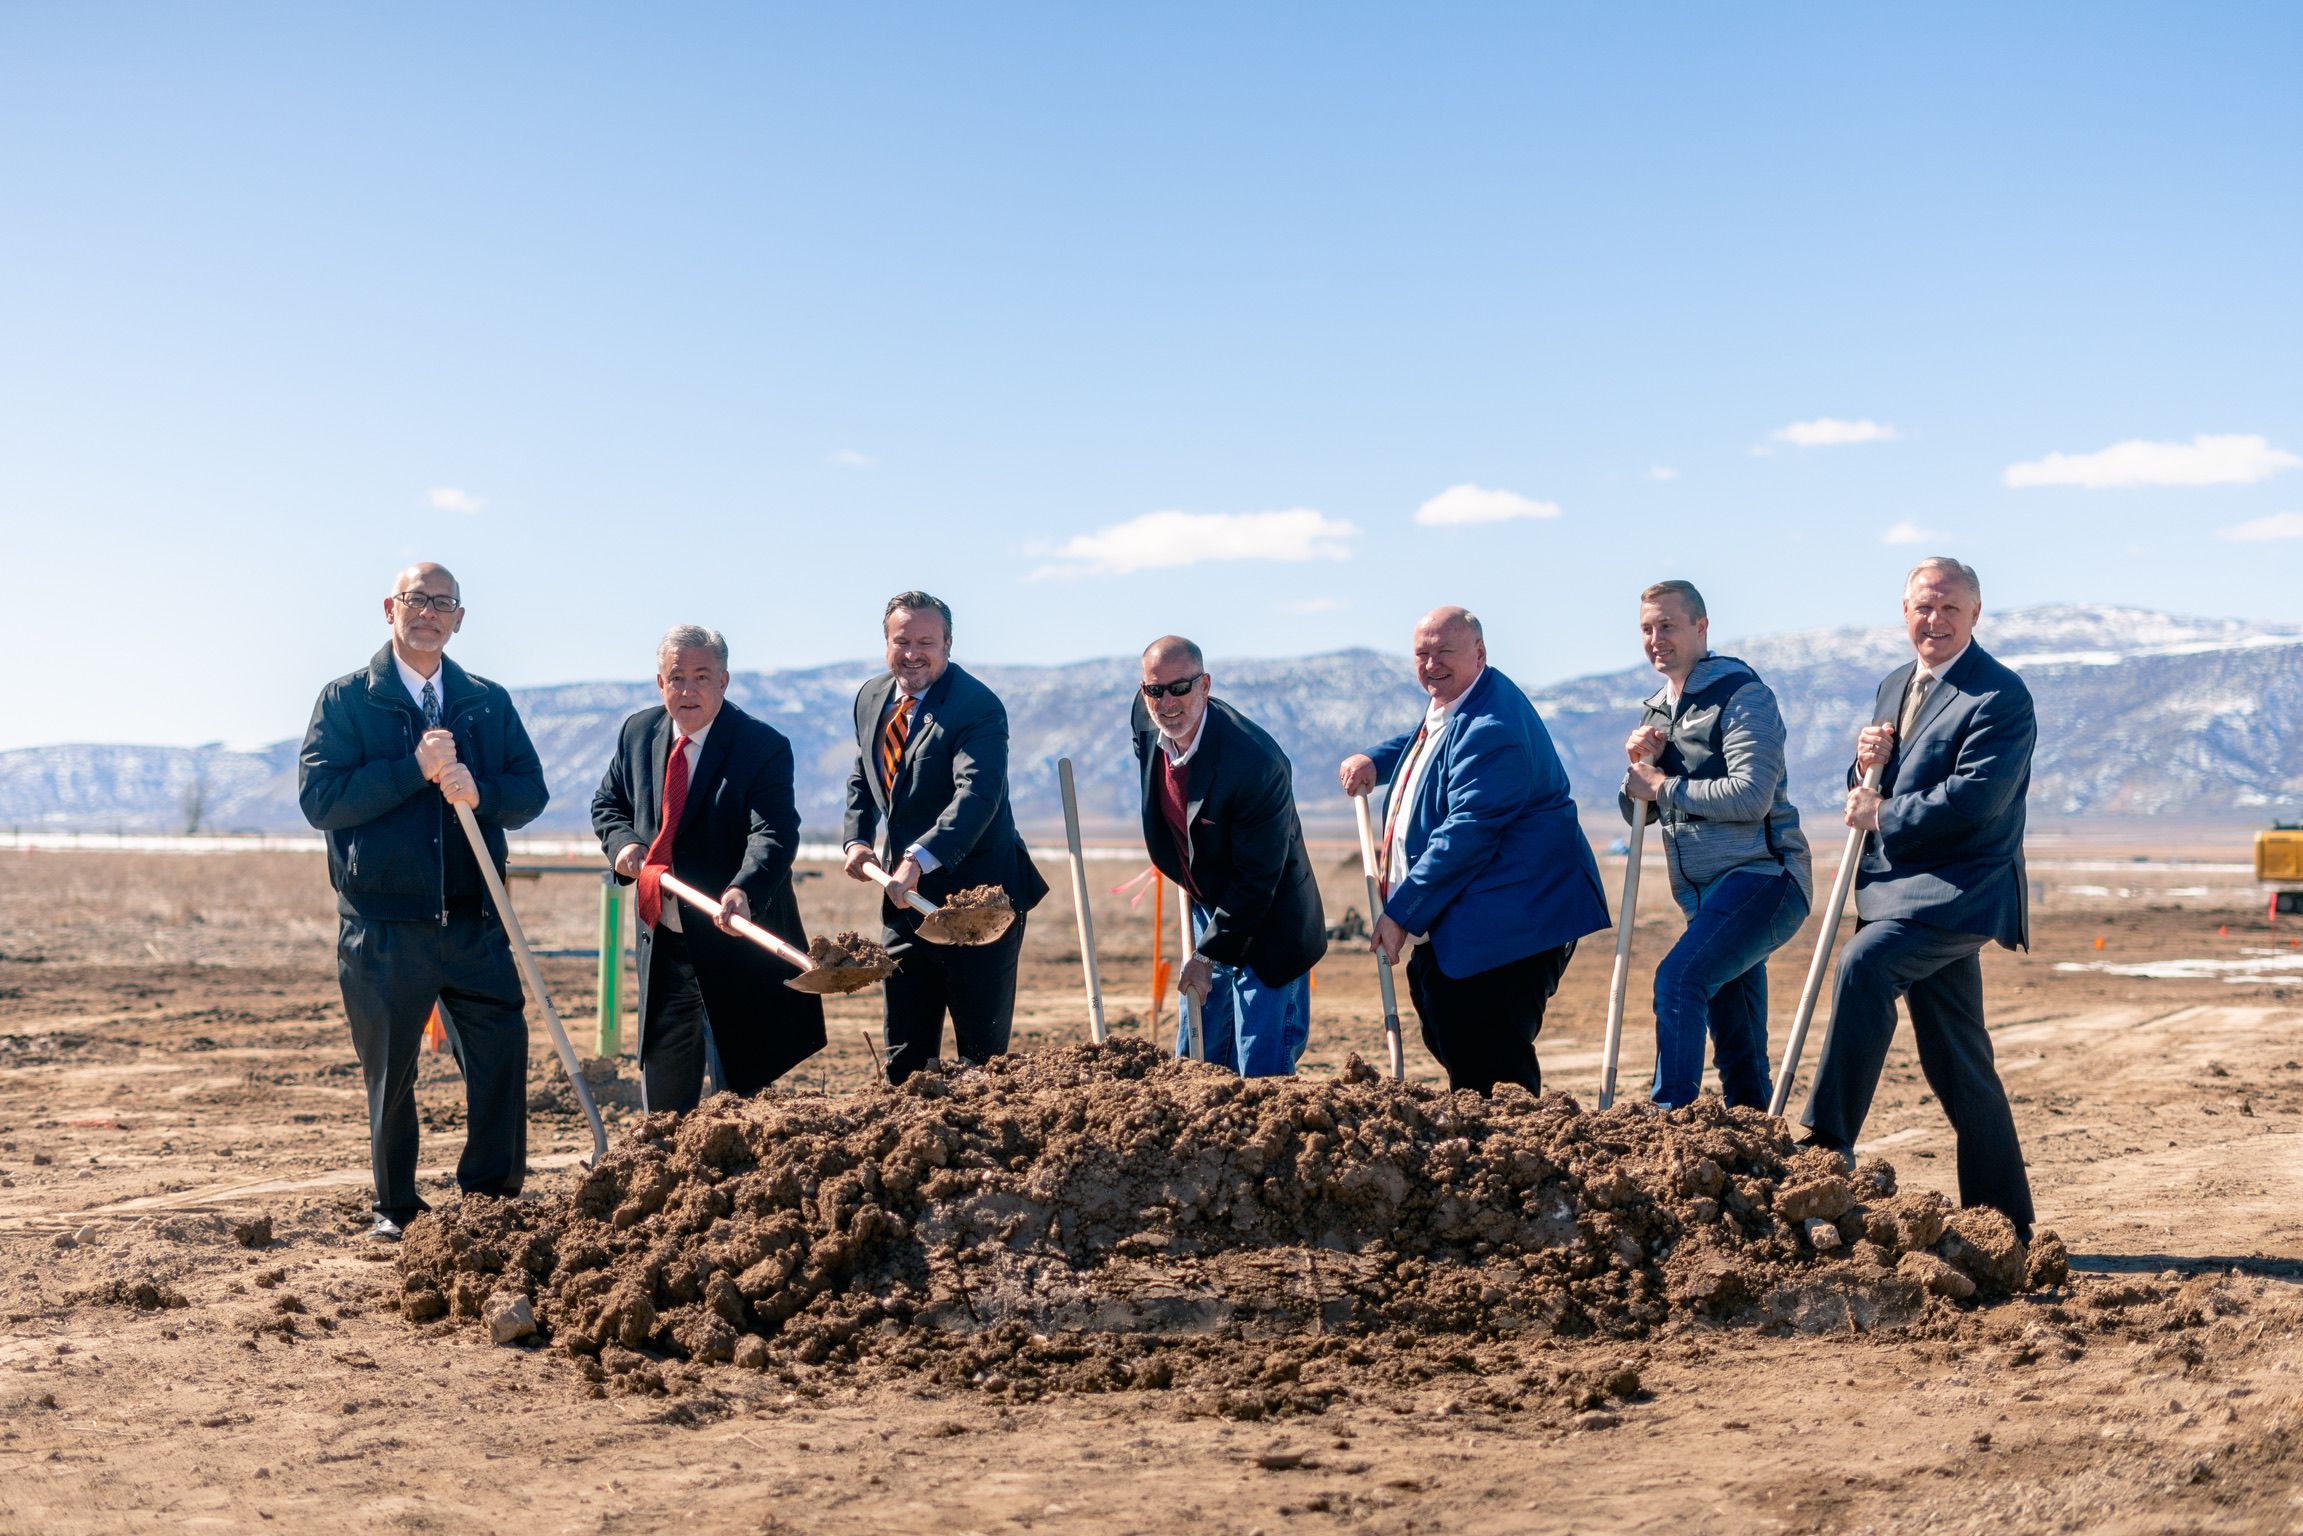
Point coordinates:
[(1707, 761)]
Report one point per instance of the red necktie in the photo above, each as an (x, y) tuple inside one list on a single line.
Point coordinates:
[(892, 743), (658, 863), (1391, 811)]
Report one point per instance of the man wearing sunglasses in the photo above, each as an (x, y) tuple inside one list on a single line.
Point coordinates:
[(1486, 874), (392, 749), (1219, 820)]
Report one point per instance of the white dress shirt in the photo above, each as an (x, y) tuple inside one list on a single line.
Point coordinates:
[(414, 682), (680, 743), (1435, 719)]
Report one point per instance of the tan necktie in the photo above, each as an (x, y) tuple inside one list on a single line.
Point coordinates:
[(1913, 702)]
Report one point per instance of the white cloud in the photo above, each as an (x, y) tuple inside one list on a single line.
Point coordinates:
[(448, 499), (2205, 460), (1312, 605), (1909, 532), (1661, 472), (1830, 432), (848, 458), (1160, 539), (1460, 504), (2279, 525)]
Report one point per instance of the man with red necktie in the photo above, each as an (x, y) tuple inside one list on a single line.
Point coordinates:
[(928, 802), (701, 790)]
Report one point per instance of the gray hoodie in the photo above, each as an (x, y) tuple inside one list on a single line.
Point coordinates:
[(1733, 812)]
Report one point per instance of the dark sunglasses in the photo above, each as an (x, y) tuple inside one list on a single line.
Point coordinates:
[(1175, 690)]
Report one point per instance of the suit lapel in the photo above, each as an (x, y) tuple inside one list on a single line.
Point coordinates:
[(1201, 778), (873, 707), (659, 755)]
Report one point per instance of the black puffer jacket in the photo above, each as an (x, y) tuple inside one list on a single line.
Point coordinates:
[(395, 851)]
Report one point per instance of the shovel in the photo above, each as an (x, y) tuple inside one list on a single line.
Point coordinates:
[(1391, 1033), (965, 926), (535, 979), (1841, 884), (1626, 916), (812, 978), (1080, 899)]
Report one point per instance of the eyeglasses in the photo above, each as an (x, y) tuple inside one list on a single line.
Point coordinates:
[(1181, 687), (439, 602)]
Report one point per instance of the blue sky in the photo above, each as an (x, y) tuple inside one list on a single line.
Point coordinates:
[(751, 316)]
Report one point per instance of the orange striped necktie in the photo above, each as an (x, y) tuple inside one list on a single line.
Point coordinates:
[(893, 738)]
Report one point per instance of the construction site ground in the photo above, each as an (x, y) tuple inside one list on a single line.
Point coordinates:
[(173, 1064)]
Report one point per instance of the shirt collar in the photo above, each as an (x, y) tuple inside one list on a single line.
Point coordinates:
[(698, 738), (1436, 715), (1175, 758), (414, 681), (1939, 672)]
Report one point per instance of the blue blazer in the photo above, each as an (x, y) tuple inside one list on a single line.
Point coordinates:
[(1950, 846), (1498, 868)]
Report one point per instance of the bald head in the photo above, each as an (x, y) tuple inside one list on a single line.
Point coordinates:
[(420, 630), (1173, 648), (1450, 652)]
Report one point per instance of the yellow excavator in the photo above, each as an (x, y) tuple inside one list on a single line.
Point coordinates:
[(2279, 859)]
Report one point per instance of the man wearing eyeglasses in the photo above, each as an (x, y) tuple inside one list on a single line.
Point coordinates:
[(391, 750), (928, 803), (1219, 819), (1486, 874)]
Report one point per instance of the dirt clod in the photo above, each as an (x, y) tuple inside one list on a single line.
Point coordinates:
[(255, 1233)]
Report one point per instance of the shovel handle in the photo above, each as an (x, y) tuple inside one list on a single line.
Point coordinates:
[(1841, 884), (534, 978), (743, 925), (1619, 981), (1393, 1041), (913, 899)]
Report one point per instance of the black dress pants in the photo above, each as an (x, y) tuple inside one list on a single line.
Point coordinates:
[(391, 974), (975, 984), (1940, 979), (672, 1033), (1482, 1028)]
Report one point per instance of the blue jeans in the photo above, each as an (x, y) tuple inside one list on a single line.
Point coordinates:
[(1715, 980), (1249, 1025)]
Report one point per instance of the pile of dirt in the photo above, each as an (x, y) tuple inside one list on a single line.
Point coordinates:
[(610, 1092), (1100, 1218), (987, 898)]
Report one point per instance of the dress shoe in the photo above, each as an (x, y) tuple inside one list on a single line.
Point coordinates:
[(386, 1230)]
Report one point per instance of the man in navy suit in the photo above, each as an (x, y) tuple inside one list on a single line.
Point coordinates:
[(702, 791), (1486, 873), (928, 802), (1942, 876), (1219, 819)]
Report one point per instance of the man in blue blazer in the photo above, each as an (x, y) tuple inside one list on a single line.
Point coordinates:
[(1486, 873), (928, 802), (1942, 877)]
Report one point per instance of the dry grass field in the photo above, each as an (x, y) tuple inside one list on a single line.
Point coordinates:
[(173, 1063)]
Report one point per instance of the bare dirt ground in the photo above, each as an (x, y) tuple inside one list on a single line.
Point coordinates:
[(173, 1064)]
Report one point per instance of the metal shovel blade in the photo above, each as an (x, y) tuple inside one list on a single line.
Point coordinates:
[(968, 926), (840, 979)]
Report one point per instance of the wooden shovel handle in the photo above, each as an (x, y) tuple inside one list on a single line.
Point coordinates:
[(743, 925), (887, 881)]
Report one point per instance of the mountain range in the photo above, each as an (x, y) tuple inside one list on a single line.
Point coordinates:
[(2142, 714)]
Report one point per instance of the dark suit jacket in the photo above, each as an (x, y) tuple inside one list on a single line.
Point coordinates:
[(740, 827), (1950, 845), (951, 795), (1248, 858)]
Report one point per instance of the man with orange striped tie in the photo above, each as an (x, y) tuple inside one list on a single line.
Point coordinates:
[(928, 802)]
